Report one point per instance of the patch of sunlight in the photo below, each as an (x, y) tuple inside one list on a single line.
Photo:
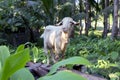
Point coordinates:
[(114, 76), (1, 9), (12, 7)]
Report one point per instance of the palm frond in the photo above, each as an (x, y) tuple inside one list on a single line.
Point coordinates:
[(66, 10), (94, 4)]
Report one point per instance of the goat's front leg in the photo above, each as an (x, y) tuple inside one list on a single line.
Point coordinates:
[(63, 54), (57, 50), (53, 56), (57, 55)]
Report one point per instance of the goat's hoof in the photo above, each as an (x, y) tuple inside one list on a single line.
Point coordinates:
[(48, 65)]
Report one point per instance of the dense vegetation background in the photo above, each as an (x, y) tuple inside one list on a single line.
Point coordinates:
[(97, 38)]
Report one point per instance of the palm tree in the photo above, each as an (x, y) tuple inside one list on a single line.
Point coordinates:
[(87, 19), (49, 10), (81, 9), (96, 13), (115, 22), (106, 15), (119, 22), (90, 5)]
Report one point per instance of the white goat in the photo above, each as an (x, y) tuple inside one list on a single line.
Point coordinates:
[(56, 38)]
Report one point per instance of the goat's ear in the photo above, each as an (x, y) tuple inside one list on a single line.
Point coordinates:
[(59, 24), (75, 23)]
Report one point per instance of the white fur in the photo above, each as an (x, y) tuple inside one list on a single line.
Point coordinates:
[(56, 38)]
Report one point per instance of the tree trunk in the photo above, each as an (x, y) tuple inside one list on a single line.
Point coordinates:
[(87, 20), (119, 23), (115, 22), (81, 26), (95, 24), (73, 12), (119, 28), (96, 18), (104, 35)]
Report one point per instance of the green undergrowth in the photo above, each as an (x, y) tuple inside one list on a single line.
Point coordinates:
[(103, 53), (12, 66)]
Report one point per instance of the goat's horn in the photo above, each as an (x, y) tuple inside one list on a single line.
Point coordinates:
[(60, 23)]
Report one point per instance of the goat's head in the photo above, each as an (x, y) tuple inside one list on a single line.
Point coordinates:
[(67, 21), (67, 24)]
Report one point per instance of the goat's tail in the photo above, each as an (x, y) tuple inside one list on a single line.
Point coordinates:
[(42, 35)]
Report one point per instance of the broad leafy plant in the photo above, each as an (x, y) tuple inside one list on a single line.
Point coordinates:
[(104, 53), (10, 64), (63, 75), (66, 74), (37, 55)]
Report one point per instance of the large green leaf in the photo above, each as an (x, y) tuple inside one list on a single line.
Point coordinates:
[(14, 63), (0, 66), (21, 47), (35, 53), (63, 75), (4, 54), (73, 60), (22, 74)]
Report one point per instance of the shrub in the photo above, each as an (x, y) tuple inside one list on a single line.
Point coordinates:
[(103, 53), (10, 64)]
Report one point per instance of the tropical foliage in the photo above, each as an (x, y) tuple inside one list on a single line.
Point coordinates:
[(17, 61), (97, 38), (100, 52), (9, 64)]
